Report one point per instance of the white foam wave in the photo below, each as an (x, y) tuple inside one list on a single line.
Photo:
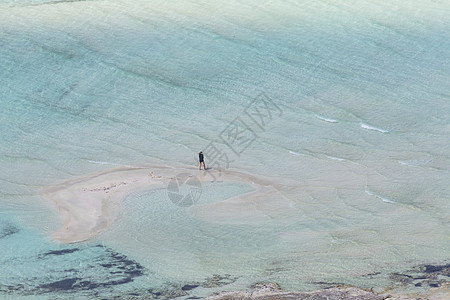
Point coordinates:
[(335, 158), (326, 119), (370, 127), (380, 197), (296, 153), (103, 163), (413, 162)]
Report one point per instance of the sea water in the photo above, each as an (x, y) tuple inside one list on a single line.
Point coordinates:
[(356, 142)]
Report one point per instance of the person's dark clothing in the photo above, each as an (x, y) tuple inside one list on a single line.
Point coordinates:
[(200, 157)]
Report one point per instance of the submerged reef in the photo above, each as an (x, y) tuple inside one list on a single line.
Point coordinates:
[(432, 276), (99, 269), (87, 271), (7, 229)]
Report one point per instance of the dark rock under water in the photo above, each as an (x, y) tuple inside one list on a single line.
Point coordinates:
[(97, 268)]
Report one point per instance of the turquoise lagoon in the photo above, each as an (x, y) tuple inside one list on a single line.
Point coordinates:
[(358, 146)]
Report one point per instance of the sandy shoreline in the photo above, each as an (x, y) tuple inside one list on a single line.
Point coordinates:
[(271, 291), (88, 205)]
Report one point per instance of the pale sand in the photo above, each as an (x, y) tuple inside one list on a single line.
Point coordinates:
[(90, 204)]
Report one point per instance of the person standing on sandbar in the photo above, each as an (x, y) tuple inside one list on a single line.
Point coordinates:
[(201, 159)]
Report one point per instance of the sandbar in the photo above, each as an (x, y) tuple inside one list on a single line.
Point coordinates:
[(89, 204)]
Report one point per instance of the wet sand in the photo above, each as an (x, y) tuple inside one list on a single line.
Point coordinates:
[(88, 205)]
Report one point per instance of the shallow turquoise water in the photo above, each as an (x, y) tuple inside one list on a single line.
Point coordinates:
[(360, 148)]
